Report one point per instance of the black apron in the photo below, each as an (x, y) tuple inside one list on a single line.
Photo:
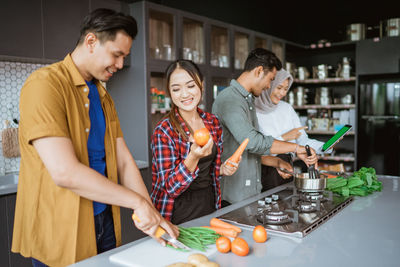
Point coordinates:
[(199, 199), (270, 177)]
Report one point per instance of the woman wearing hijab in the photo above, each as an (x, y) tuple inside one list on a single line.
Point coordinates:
[(278, 119)]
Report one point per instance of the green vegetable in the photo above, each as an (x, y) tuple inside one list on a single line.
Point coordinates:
[(338, 182), (363, 182), (354, 182), (196, 237)]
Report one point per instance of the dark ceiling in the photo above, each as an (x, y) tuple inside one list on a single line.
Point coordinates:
[(300, 21)]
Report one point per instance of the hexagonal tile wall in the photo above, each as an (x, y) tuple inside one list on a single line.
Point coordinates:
[(12, 78)]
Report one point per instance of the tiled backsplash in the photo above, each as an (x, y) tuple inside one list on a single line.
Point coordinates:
[(12, 78)]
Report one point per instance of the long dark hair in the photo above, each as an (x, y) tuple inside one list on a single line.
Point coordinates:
[(194, 72)]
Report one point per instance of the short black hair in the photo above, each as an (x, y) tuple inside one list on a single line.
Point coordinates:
[(105, 23), (262, 57)]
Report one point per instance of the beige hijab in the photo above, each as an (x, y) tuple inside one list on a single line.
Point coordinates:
[(263, 103)]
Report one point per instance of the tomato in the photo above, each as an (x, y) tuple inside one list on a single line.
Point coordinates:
[(259, 234), (240, 247), (201, 136), (223, 244)]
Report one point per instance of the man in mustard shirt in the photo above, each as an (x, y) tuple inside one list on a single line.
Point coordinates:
[(73, 153)]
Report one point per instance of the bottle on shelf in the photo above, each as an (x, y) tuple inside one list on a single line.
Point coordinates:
[(161, 100), (154, 99)]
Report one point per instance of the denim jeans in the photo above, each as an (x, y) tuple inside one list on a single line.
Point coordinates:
[(105, 235)]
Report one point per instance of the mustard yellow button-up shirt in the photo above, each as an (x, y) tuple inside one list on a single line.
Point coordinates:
[(53, 224)]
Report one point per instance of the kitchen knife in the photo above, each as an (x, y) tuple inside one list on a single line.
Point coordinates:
[(161, 233)]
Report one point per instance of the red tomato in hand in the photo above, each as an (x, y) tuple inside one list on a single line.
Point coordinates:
[(240, 247), (259, 234), (201, 136), (223, 244)]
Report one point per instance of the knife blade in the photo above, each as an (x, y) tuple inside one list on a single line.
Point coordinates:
[(161, 233)]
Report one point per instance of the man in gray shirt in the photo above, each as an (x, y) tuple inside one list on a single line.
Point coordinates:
[(235, 109)]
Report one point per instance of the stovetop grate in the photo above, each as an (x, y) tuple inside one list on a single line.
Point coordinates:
[(300, 223)]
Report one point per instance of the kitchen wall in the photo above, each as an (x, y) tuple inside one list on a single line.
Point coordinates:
[(12, 78)]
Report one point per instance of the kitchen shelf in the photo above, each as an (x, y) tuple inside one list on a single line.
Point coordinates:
[(337, 158), (327, 80), (333, 158), (159, 110), (329, 44), (326, 132), (334, 106)]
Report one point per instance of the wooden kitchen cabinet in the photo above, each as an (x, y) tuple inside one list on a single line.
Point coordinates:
[(21, 31), (8, 258), (44, 29), (61, 23), (242, 46), (373, 57), (4, 246)]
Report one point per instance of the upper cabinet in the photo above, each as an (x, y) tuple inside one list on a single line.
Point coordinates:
[(219, 47), (242, 47), (161, 35), (21, 31), (278, 48), (373, 57), (260, 42), (193, 42), (47, 30)]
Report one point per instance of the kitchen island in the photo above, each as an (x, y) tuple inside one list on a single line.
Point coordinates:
[(365, 233)]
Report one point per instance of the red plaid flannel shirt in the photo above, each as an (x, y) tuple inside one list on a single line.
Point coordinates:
[(170, 175)]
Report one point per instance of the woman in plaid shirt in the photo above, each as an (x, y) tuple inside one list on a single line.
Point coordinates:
[(186, 177)]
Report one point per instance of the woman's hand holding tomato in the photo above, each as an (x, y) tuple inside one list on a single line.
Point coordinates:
[(201, 151)]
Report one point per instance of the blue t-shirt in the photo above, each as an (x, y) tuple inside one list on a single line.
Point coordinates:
[(95, 144)]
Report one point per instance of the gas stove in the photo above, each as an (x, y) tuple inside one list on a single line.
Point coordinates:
[(289, 212)]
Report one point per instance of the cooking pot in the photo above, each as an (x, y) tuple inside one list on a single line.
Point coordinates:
[(390, 27), (303, 182), (355, 32)]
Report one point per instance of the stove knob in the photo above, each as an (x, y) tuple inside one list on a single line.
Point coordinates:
[(261, 203), (275, 197), (268, 200)]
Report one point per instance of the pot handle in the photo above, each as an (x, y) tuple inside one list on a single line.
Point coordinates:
[(308, 150), (311, 169)]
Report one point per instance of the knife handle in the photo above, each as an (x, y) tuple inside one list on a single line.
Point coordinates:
[(159, 231)]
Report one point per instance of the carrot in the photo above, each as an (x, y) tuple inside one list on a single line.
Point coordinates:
[(236, 156), (219, 223), (228, 232)]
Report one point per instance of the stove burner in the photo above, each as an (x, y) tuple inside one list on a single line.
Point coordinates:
[(274, 217), (291, 213), (314, 196), (306, 206)]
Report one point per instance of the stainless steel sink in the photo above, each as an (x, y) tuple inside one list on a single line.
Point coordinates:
[(8, 183)]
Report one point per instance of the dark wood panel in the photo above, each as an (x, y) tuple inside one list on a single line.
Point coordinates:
[(16, 260), (378, 57), (61, 23), (4, 247), (21, 28), (111, 4)]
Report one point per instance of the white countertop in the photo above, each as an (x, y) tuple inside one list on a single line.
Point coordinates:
[(9, 181), (365, 233)]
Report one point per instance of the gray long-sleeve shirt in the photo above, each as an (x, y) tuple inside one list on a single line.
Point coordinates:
[(235, 109)]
